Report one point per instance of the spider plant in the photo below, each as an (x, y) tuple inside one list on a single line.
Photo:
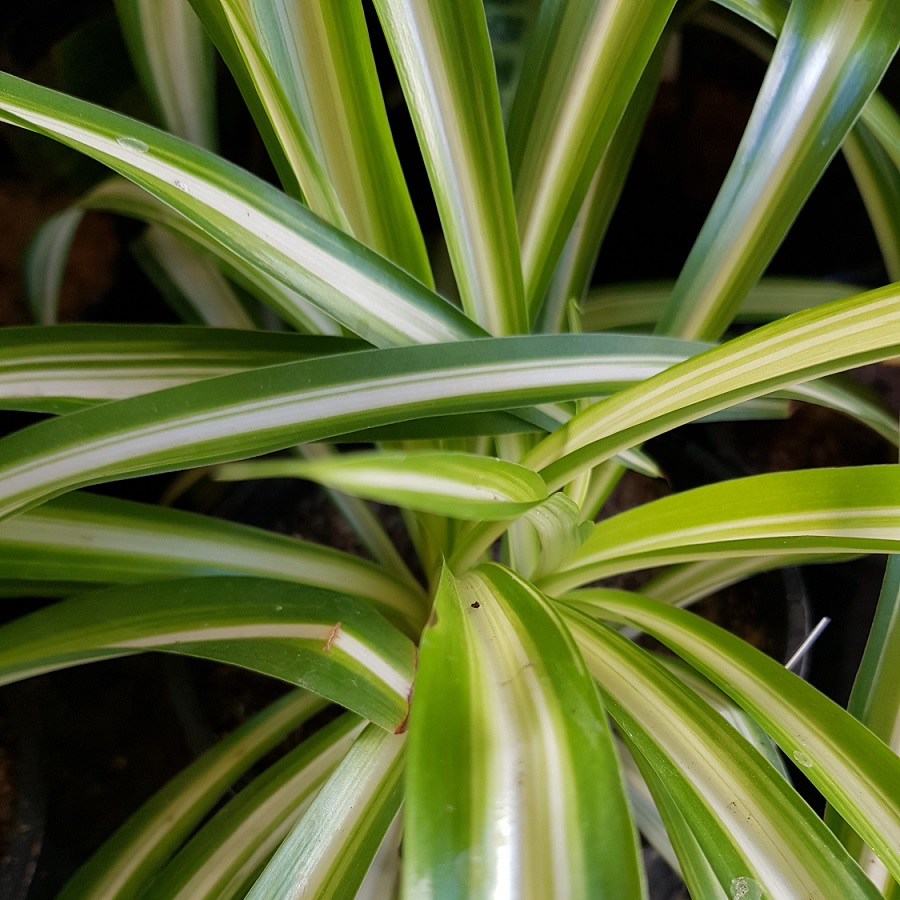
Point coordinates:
[(497, 719)]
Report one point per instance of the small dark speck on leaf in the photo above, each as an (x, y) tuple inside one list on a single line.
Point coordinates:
[(476, 605)]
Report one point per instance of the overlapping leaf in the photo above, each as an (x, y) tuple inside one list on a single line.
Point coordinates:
[(583, 62), (253, 219), (830, 511), (329, 850), (833, 337), (752, 828), (829, 59), (854, 770), (331, 643), (248, 413), (125, 863), (65, 367), (224, 858), (92, 539), (443, 56), (460, 485), (530, 799)]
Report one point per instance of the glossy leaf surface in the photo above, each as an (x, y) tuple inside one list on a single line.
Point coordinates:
[(849, 510), (531, 799), (752, 827), (329, 850), (327, 642), (254, 220), (125, 863), (854, 770), (459, 485)]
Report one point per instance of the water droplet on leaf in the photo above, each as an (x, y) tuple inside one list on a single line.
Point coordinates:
[(744, 888), (132, 144), (802, 759)]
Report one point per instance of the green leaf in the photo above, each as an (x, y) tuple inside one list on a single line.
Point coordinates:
[(255, 220), (310, 66), (828, 61), (830, 511), (753, 828), (573, 272), (642, 302), (66, 367), (94, 539), (125, 863), (443, 56), (190, 280), (222, 860), (884, 123), (175, 63), (237, 416), (459, 485), (684, 584), (875, 701), (530, 797), (509, 24), (855, 771), (690, 862), (835, 336), (45, 262), (329, 850), (877, 177), (330, 643), (583, 63)]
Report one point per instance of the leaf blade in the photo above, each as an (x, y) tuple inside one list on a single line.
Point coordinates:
[(459, 485), (497, 634), (330, 643), (254, 220)]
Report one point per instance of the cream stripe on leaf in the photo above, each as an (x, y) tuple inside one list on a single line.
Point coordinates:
[(853, 768), (93, 539), (241, 415), (65, 367), (829, 511), (223, 858), (759, 836), (830, 338), (829, 59), (875, 701), (330, 643), (530, 801), (459, 485), (328, 851), (443, 56), (583, 61), (256, 221), (125, 863)]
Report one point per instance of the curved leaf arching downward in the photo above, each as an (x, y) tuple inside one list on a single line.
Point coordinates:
[(330, 643)]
